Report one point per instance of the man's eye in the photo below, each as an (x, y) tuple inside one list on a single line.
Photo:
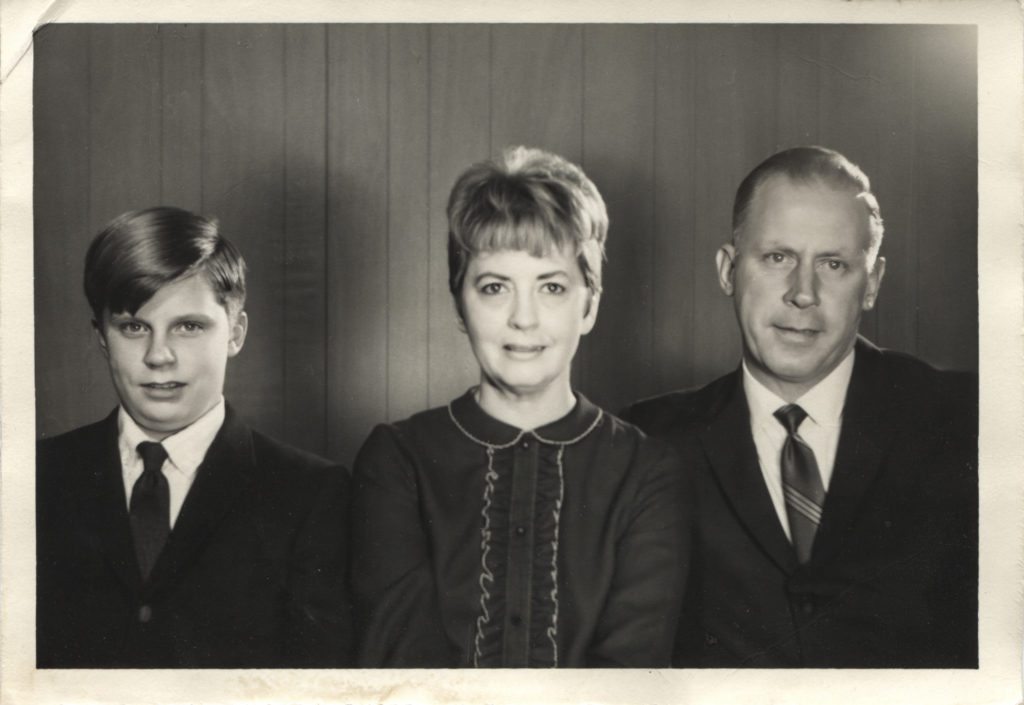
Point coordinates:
[(492, 288), (835, 265), (191, 327), (775, 257)]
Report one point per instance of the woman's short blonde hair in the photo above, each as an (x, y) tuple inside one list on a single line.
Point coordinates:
[(528, 200)]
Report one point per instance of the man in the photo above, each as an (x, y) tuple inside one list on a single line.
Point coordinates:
[(837, 482), (170, 534)]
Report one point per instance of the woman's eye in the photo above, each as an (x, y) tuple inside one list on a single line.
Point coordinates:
[(491, 288), (554, 288)]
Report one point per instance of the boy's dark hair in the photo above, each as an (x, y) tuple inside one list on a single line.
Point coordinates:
[(140, 251)]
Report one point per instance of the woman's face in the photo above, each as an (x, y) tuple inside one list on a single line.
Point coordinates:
[(524, 316)]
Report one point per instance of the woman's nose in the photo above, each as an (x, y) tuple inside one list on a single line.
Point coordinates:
[(524, 311)]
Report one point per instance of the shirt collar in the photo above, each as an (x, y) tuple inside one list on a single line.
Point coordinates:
[(487, 430), (823, 402), (185, 448)]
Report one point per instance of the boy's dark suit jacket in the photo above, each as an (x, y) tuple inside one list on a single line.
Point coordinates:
[(893, 578), (251, 576)]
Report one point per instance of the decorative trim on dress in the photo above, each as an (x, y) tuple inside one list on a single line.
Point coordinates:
[(552, 631), (485, 548), (486, 575)]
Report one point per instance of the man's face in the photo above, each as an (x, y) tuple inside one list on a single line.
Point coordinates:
[(799, 278), (167, 361)]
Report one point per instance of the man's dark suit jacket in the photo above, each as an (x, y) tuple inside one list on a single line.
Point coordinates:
[(892, 581), (252, 575)]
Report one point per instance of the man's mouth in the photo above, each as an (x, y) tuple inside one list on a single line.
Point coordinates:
[(163, 385), (792, 330)]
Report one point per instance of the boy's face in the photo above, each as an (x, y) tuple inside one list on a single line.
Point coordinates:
[(167, 361)]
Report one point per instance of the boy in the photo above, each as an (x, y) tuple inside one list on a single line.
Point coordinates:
[(170, 534)]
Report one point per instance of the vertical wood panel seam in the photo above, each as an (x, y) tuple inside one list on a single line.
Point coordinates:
[(656, 232), (818, 71), (581, 359), (387, 225), (652, 176), (89, 111), (163, 107), (327, 238), (285, 348), (912, 220), (490, 93), (691, 377), (430, 204), (202, 120)]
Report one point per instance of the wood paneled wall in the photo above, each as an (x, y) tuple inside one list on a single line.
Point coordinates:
[(327, 152)]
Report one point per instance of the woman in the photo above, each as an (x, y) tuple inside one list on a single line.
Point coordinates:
[(520, 525)]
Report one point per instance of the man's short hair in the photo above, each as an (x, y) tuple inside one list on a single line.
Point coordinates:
[(528, 200), (139, 252), (803, 165)]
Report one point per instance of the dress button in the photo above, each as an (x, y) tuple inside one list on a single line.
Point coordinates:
[(520, 531), (525, 445), (807, 607), (145, 613), (516, 620)]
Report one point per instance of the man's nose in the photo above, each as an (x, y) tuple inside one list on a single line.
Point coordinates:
[(159, 352), (524, 311), (803, 286)]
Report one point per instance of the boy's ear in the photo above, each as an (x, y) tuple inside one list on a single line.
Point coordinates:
[(239, 327), (101, 340)]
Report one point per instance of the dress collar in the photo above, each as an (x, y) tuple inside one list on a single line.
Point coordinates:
[(481, 427)]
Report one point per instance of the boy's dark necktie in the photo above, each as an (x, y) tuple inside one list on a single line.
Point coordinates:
[(801, 483), (149, 509)]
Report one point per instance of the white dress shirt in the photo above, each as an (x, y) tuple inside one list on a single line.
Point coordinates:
[(820, 430), (185, 451)]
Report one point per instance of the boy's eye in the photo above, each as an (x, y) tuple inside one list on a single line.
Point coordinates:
[(131, 328), (191, 327)]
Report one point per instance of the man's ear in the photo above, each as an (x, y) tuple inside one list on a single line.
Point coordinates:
[(239, 327), (590, 312), (725, 259), (874, 284), (101, 339)]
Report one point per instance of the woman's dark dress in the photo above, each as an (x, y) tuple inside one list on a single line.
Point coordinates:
[(476, 543)]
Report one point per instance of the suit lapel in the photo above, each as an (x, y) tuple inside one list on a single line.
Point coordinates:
[(106, 507), (729, 446), (868, 426), (220, 480)]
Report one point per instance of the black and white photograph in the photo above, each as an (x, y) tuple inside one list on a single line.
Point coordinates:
[(678, 348)]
